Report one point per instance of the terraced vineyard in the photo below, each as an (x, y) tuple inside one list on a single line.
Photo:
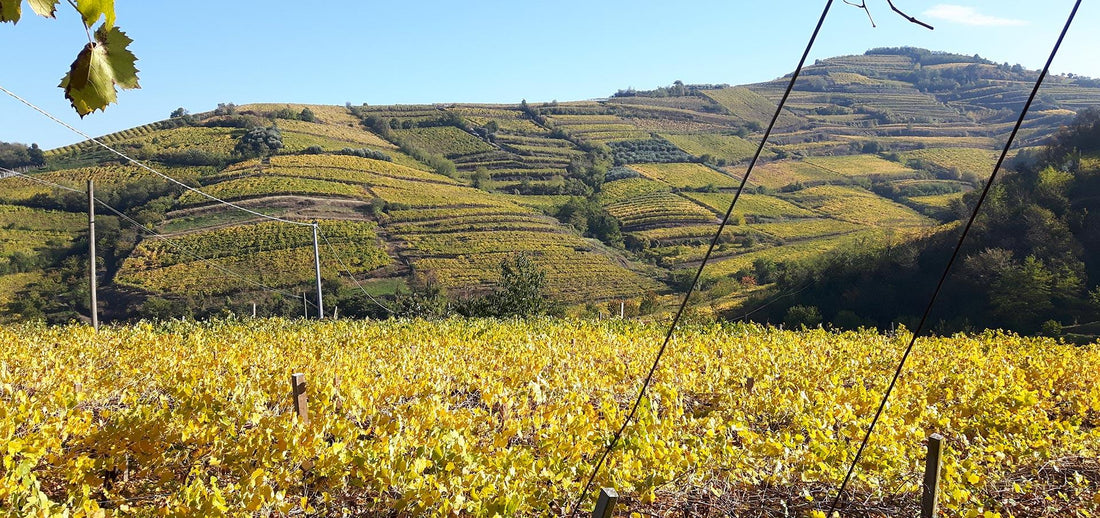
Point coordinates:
[(246, 257), (658, 167), (858, 206)]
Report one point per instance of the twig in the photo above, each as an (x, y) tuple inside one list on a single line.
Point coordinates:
[(863, 5)]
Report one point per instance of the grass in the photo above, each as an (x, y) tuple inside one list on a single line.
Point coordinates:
[(749, 106)]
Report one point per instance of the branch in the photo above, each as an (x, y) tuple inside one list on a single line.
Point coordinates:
[(910, 18), (863, 5)]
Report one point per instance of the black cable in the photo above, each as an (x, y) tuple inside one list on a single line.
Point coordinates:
[(706, 257), (954, 256)]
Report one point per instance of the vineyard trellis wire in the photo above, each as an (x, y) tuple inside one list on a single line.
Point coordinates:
[(706, 257), (954, 255)]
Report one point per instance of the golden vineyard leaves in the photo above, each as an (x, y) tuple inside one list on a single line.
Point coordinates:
[(484, 418)]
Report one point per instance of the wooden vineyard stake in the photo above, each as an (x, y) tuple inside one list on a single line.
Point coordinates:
[(929, 504), (301, 407), (605, 505)]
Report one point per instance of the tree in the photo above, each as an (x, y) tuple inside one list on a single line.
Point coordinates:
[(260, 141), (307, 115), (102, 65), (14, 155), (521, 291)]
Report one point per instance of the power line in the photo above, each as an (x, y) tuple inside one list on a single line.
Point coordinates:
[(179, 247), (954, 256), (147, 168), (336, 254), (706, 257)]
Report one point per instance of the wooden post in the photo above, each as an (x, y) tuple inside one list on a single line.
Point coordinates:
[(605, 505), (622, 310), (301, 406), (253, 310), (91, 255), (929, 501), (335, 312), (305, 308)]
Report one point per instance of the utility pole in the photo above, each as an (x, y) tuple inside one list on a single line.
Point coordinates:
[(91, 254), (317, 267)]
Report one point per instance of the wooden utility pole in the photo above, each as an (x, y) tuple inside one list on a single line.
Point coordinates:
[(317, 267), (91, 255)]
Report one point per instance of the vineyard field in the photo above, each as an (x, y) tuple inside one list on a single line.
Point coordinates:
[(858, 206), (482, 417), (686, 175)]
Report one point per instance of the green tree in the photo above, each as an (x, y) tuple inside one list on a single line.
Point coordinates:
[(260, 141)]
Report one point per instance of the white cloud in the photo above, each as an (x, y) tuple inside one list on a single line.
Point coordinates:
[(964, 15)]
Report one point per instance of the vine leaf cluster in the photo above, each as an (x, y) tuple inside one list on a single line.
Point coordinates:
[(102, 66)]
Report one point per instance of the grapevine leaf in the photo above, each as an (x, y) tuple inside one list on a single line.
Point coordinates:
[(119, 56), (90, 83), (44, 8), (91, 10), (10, 11)]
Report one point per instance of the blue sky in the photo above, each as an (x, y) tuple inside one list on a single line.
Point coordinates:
[(196, 54)]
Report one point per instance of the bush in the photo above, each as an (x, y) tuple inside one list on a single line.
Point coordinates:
[(801, 317), (365, 153)]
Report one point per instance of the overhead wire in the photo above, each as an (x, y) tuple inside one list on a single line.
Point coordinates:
[(706, 257), (146, 167), (9, 173), (954, 256), (344, 265)]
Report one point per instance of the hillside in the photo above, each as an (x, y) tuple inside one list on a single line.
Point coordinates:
[(615, 199)]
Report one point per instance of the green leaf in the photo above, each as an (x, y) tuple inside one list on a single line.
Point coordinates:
[(10, 11), (119, 56), (100, 66), (44, 8), (91, 10)]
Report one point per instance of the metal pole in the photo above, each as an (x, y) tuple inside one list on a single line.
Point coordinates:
[(317, 267), (91, 255), (305, 308)]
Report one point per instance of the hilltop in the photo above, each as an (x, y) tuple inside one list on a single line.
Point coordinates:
[(615, 199)]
